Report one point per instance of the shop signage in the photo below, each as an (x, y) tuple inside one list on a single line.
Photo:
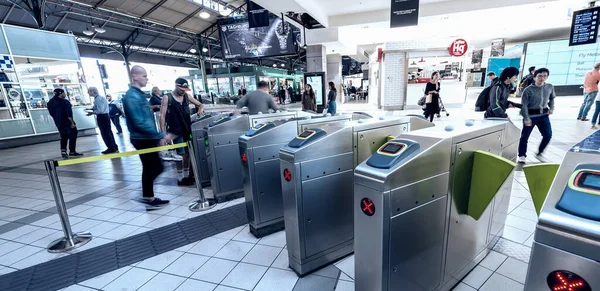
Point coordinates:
[(458, 48), (497, 48), (257, 16), (584, 28), (379, 55), (477, 56), (404, 13)]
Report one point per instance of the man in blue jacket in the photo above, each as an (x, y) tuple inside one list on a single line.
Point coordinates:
[(144, 135)]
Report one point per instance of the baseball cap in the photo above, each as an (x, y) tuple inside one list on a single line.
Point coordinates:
[(182, 84), (58, 91)]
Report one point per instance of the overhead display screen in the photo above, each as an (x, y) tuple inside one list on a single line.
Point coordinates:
[(584, 29), (241, 42), (567, 64)]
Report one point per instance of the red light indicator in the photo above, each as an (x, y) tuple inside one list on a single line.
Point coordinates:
[(367, 206), (287, 175), (244, 158), (567, 281)]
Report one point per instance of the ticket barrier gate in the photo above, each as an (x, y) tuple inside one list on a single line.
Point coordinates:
[(223, 134), (410, 207), (259, 150), (566, 248), (317, 185), (200, 140)]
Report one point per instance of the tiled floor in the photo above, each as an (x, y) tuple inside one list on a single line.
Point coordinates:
[(99, 200)]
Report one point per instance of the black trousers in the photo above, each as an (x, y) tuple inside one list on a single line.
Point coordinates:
[(69, 135), (106, 131), (117, 122), (151, 165)]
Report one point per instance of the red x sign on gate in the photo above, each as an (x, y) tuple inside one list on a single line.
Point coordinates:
[(287, 175), (367, 206)]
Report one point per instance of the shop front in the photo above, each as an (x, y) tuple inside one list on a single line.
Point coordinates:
[(28, 76)]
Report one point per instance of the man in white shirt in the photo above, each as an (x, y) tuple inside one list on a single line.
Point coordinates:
[(101, 110)]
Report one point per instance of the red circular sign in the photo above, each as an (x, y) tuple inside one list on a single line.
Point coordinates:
[(567, 281), (367, 206), (287, 175), (244, 158), (458, 48)]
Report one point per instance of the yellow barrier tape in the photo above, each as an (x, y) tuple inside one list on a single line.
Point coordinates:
[(119, 155)]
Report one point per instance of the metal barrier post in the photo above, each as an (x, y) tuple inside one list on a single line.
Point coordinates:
[(70, 240), (203, 203)]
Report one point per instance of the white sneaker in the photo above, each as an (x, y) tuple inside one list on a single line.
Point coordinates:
[(166, 156), (522, 160), (594, 126), (176, 157)]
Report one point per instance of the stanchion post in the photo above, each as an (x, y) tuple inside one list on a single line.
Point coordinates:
[(203, 203), (70, 240)]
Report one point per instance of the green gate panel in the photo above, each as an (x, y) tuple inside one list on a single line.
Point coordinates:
[(539, 178)]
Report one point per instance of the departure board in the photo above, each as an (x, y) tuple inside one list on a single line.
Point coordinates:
[(584, 28)]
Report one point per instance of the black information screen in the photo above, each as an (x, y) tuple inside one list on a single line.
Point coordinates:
[(306, 134), (584, 28), (404, 13), (392, 148), (591, 180)]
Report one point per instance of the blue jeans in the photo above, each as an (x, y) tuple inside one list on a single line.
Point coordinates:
[(595, 117), (180, 151), (587, 104), (543, 124), (332, 107)]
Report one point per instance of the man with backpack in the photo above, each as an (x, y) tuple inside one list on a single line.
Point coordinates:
[(527, 80), (482, 102), (498, 94), (175, 119)]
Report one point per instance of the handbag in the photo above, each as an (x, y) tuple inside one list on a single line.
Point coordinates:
[(421, 101), (429, 98)]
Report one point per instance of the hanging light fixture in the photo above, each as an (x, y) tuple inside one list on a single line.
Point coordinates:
[(193, 51), (274, 65), (99, 29), (282, 65), (204, 49), (224, 11), (88, 31), (422, 60)]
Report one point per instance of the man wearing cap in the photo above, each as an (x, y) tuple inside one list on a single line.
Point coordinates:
[(175, 119), (101, 109), (61, 112)]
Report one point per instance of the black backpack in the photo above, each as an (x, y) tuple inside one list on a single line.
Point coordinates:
[(483, 100)]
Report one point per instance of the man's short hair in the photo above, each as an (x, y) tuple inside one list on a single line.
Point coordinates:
[(597, 66), (532, 68), (491, 74), (263, 85), (541, 70)]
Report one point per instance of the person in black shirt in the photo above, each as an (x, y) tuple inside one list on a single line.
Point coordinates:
[(114, 112), (62, 113), (242, 91), (155, 99), (432, 101), (281, 94), (175, 119)]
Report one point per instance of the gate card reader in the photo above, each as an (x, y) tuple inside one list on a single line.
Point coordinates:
[(260, 128), (219, 121), (581, 196), (392, 152), (306, 137)]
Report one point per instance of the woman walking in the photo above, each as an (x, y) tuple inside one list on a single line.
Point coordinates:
[(331, 97), (308, 99), (432, 99)]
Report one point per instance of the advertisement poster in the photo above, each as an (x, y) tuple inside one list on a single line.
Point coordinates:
[(257, 15), (240, 41), (350, 66), (316, 82), (567, 64), (584, 28), (497, 48), (477, 57), (404, 13)]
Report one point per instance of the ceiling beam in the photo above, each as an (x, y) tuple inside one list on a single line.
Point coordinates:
[(174, 43), (153, 9), (60, 22), (101, 26), (152, 42), (188, 17), (100, 4), (12, 7)]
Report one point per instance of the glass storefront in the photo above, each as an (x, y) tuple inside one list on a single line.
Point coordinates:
[(28, 76)]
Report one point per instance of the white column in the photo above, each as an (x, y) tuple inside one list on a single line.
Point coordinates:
[(334, 72), (316, 58), (394, 80)]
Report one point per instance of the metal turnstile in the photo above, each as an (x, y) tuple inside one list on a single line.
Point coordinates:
[(200, 140), (317, 183), (259, 151), (566, 248), (223, 135), (410, 207)]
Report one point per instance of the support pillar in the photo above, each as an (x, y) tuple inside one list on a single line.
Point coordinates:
[(334, 73), (316, 58)]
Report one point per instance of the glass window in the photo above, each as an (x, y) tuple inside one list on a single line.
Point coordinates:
[(224, 86), (213, 87), (9, 128), (251, 83), (16, 101), (63, 46), (238, 82)]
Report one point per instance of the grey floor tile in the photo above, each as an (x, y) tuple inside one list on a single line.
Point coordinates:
[(103, 280), (23, 230), (131, 280), (329, 271), (477, 277), (120, 232), (346, 265), (462, 287), (77, 288), (214, 270), (262, 255), (493, 260), (345, 277), (225, 288), (6, 270), (186, 265), (516, 235), (13, 257), (344, 286), (312, 282), (276, 240), (276, 279), (513, 249), (513, 269), (195, 285), (498, 282), (234, 250), (230, 234), (282, 261), (160, 262), (244, 276), (521, 223), (245, 236), (208, 246), (37, 258), (163, 282)]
